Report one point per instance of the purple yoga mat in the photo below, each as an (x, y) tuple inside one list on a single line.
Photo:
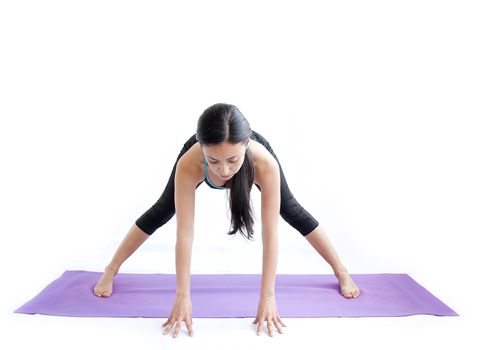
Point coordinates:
[(235, 295)]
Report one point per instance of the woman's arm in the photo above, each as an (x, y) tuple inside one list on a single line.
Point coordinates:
[(269, 181), (184, 197)]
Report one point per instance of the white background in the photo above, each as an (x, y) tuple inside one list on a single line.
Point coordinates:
[(371, 106)]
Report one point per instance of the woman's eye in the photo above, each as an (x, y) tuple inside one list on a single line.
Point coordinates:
[(231, 161)]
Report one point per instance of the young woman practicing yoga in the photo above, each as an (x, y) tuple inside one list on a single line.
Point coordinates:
[(227, 154)]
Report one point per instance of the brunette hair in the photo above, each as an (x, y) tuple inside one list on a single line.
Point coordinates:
[(220, 123)]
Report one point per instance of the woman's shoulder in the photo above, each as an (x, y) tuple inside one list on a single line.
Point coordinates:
[(262, 157), (190, 164)]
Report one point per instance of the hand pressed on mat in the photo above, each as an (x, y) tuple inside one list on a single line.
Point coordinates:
[(181, 312), (267, 311)]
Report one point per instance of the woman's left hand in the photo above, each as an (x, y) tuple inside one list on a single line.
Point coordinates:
[(267, 311)]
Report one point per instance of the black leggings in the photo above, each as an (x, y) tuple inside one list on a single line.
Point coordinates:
[(164, 209)]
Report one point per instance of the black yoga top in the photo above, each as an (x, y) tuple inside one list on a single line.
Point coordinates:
[(164, 208)]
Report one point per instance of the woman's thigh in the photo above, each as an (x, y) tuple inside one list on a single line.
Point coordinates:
[(291, 211), (164, 208)]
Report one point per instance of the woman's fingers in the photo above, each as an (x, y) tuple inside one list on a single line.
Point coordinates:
[(168, 326), (178, 324), (260, 324), (278, 325), (277, 322), (269, 328), (168, 320), (177, 329)]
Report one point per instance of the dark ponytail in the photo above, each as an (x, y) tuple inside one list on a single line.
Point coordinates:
[(225, 123)]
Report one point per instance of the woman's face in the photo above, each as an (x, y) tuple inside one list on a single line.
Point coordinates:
[(225, 159)]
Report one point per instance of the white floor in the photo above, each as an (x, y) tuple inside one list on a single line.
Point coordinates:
[(110, 333), (53, 332), (371, 106)]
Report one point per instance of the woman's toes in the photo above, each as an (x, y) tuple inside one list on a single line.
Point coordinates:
[(349, 293)]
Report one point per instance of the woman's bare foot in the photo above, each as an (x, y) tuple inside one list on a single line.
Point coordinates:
[(348, 288), (105, 284)]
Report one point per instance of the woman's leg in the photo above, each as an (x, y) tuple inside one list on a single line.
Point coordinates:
[(133, 240), (299, 218), (156, 216), (319, 241)]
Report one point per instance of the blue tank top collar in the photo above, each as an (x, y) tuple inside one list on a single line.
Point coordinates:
[(210, 183)]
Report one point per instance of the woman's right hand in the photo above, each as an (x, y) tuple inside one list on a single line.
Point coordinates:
[(182, 311)]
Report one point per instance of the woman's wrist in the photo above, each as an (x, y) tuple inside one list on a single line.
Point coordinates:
[(182, 294), (267, 294)]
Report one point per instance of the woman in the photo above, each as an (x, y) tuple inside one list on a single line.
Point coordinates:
[(227, 154)]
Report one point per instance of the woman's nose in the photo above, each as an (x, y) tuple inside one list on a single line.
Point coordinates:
[(224, 171)]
